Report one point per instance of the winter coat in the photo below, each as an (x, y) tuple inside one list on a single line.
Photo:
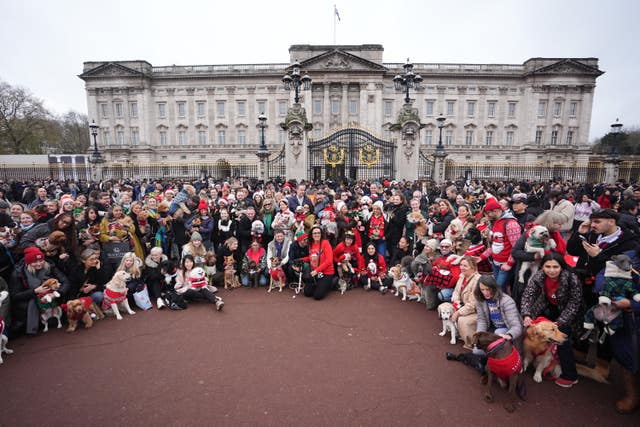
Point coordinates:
[(466, 296), (284, 253), (567, 210), (568, 298)]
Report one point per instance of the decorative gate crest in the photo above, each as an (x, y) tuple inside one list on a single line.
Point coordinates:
[(369, 155), (333, 155)]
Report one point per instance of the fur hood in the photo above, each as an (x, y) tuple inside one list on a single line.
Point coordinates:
[(152, 264)]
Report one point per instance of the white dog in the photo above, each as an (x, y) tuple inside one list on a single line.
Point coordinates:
[(115, 294), (3, 338), (445, 310), (539, 241)]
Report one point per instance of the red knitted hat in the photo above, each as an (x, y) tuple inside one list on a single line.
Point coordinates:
[(32, 254), (492, 204), (203, 205)]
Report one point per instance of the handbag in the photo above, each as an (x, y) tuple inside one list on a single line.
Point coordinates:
[(142, 298)]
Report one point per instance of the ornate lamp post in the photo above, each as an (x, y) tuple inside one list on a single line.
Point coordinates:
[(96, 158), (612, 161), (406, 81), (441, 119), (263, 151), (296, 82)]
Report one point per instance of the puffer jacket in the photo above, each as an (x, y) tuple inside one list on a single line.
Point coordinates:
[(568, 296)]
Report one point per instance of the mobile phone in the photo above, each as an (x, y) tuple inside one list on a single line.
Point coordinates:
[(582, 238)]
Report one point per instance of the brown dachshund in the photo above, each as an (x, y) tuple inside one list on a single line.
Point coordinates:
[(503, 362)]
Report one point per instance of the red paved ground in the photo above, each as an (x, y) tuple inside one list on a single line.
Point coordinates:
[(362, 359)]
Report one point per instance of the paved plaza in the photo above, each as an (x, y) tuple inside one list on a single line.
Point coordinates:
[(362, 359)]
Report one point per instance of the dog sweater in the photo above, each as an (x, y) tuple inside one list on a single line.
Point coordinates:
[(112, 297), (86, 302), (507, 366)]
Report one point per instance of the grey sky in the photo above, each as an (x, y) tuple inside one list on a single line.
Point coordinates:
[(46, 42)]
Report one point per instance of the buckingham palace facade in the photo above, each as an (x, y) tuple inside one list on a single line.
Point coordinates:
[(538, 111)]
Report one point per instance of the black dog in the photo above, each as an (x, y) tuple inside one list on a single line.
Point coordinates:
[(171, 298), (475, 361), (473, 235)]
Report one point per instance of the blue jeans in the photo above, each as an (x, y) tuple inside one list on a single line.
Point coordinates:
[(262, 281), (381, 246), (502, 277), (445, 294)]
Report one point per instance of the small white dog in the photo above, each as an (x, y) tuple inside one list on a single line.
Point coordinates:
[(3, 338), (539, 241), (115, 294), (445, 310)]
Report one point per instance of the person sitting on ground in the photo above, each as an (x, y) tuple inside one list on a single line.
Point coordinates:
[(373, 270), (464, 300), (254, 265), (194, 289)]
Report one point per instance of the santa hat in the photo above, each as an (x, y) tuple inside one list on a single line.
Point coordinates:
[(302, 237), (66, 198), (32, 254), (339, 205), (492, 204), (203, 205)]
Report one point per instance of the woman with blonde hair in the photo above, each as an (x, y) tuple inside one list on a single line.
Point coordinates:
[(464, 300), (132, 264)]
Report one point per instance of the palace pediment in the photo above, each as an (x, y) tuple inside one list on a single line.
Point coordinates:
[(339, 60), (567, 66), (111, 69)]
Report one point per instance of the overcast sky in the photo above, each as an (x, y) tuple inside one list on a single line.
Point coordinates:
[(47, 41)]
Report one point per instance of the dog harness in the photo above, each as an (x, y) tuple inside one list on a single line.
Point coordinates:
[(553, 348), (507, 366), (112, 297)]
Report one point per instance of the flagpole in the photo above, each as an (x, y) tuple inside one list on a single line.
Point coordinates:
[(334, 24)]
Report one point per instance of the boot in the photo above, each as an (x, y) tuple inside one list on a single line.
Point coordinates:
[(631, 401)]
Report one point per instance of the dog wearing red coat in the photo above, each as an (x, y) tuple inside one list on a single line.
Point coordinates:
[(277, 277), (81, 309)]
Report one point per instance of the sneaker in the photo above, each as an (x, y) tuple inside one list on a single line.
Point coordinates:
[(367, 287), (160, 303), (565, 383), (383, 289), (219, 304)]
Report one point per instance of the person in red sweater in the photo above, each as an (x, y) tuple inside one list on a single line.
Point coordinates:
[(373, 270), (319, 280)]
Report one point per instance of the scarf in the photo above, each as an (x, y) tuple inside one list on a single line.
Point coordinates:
[(278, 247), (604, 241)]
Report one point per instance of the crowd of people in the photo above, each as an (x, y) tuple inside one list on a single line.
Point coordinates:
[(467, 242)]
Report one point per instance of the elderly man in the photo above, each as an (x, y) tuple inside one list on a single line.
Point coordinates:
[(41, 197), (299, 199)]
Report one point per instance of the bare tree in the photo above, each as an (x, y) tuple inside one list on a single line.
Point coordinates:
[(22, 120)]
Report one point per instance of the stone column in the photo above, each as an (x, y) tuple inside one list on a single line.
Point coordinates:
[(263, 156), (297, 128), (439, 158), (407, 150), (611, 169)]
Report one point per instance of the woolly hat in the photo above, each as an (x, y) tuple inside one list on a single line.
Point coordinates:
[(446, 242), (379, 204), (302, 237), (203, 205), (66, 198), (196, 236), (339, 205), (32, 254), (492, 204)]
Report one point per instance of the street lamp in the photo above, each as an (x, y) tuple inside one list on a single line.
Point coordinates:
[(616, 130), (262, 119), (96, 157), (441, 119), (296, 81), (406, 81)]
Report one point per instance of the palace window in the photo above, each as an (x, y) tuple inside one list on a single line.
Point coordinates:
[(242, 108), (182, 137), (388, 108), (570, 136), (491, 109), (121, 137), (201, 106), (509, 140), (317, 106), (539, 136), (335, 106), (471, 108), (511, 109), (489, 140), (429, 107), (282, 136), (448, 137), (353, 106), (182, 109), (450, 107), (242, 136), (135, 136), (542, 108), (106, 137), (163, 137), (573, 109), (202, 137), (162, 110), (222, 135), (428, 137), (220, 108), (557, 109), (262, 107), (282, 108), (133, 109), (118, 108), (104, 111), (554, 137), (468, 138)]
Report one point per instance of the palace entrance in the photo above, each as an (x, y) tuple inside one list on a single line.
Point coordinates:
[(351, 154)]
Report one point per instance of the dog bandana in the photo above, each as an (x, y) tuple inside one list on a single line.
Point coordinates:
[(112, 297), (507, 366)]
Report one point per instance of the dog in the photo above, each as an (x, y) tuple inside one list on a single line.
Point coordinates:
[(276, 274), (81, 309), (540, 348), (115, 294), (210, 266), (230, 279), (345, 275), (253, 273), (503, 362), (372, 272), (3, 338), (538, 242), (403, 284), (47, 303), (445, 310)]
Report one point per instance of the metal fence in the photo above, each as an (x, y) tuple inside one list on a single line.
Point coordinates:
[(594, 172)]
